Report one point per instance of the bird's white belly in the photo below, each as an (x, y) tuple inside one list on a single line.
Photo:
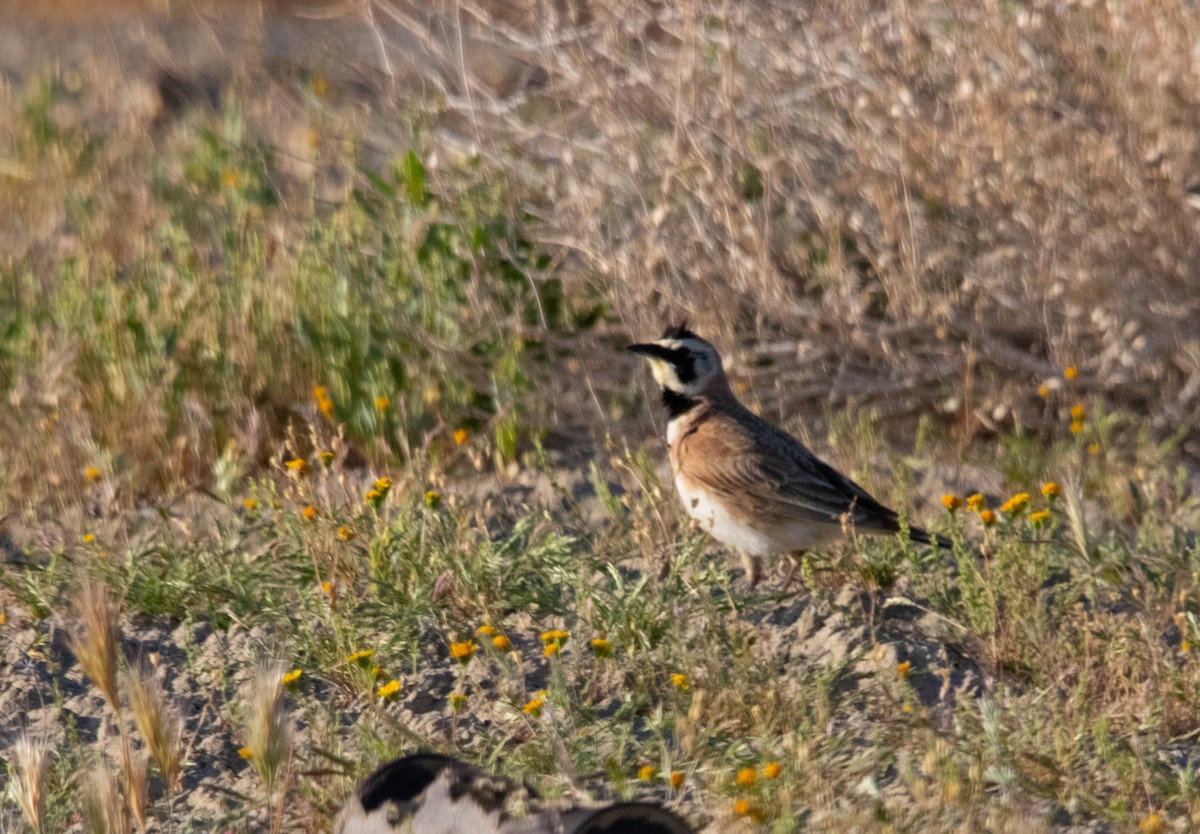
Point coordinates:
[(732, 531), (722, 525)]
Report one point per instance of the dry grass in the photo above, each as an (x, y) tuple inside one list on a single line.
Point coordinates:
[(95, 637), (157, 721), (27, 779), (241, 314)]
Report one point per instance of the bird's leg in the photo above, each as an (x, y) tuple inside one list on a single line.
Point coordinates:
[(753, 565), (794, 559)]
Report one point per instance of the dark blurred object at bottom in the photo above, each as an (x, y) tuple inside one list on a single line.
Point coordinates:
[(428, 793)]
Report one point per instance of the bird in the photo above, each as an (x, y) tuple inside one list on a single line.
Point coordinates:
[(752, 486), (429, 793)]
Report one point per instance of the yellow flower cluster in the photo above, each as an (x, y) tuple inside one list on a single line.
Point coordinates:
[(361, 656), (680, 681), (1015, 505), (461, 436), (601, 647), (389, 690), (345, 533), (553, 641), (1078, 413), (291, 677), (327, 458), (951, 502), (903, 669), (297, 466)]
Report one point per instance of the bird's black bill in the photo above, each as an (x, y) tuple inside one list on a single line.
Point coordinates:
[(653, 350)]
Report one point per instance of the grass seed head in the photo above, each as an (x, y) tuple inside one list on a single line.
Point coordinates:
[(268, 726), (158, 721), (27, 775), (102, 807), (94, 639)]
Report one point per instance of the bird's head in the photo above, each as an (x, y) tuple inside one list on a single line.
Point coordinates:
[(682, 362)]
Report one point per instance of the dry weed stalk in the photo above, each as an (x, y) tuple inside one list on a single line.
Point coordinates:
[(268, 726), (27, 773), (102, 806), (94, 639), (157, 721)]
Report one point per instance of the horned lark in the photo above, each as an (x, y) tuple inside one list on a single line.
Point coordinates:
[(751, 485)]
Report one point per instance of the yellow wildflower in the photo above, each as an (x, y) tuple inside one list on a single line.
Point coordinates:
[(1185, 646), (558, 636), (1043, 390), (1093, 448), (389, 690), (646, 772), (461, 436), (906, 708), (976, 502), (463, 651), (245, 752), (1076, 427), (291, 677), (383, 483), (743, 808), (502, 643), (298, 466), (601, 647), (433, 499), (373, 497), (457, 701), (486, 630), (327, 458), (345, 533), (771, 770), (551, 649), (680, 681), (327, 588), (1039, 518), (988, 517), (230, 178), (1153, 824), (902, 669), (377, 672), (1051, 489), (951, 502), (1070, 372), (88, 538), (361, 655), (91, 473), (309, 512), (747, 776), (533, 707), (325, 406), (1016, 504), (250, 504), (676, 779), (319, 85), (320, 392), (1078, 412), (382, 403)]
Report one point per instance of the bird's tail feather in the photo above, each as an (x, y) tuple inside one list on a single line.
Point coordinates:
[(922, 536)]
